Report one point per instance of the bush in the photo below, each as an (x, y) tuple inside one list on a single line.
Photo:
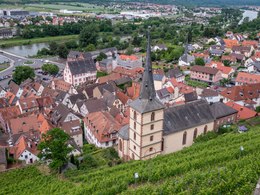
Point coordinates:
[(208, 136)]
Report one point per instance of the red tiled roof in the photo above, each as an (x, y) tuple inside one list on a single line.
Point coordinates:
[(248, 78), (230, 43), (134, 91), (244, 92), (24, 124), (204, 69), (102, 124), (243, 112), (128, 57), (61, 85), (220, 66), (229, 58), (111, 77), (28, 103), (250, 43), (10, 112), (122, 97)]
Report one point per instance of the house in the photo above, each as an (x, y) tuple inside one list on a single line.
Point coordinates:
[(79, 72), (133, 73), (244, 50), (230, 59), (6, 33), (164, 95), (239, 57), (92, 105), (106, 65), (74, 130), (99, 90), (205, 74), (111, 77), (15, 89), (159, 80), (211, 96), (61, 85), (216, 50), (154, 129), (23, 124), (250, 43), (45, 104), (243, 94), (24, 150), (159, 47), (101, 129), (129, 61), (230, 43), (2, 92), (186, 60), (73, 99), (244, 113), (247, 78), (28, 105), (6, 114), (177, 74), (190, 97), (3, 103), (223, 114), (226, 72), (61, 114)]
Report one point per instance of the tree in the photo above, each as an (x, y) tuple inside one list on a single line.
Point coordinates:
[(88, 35), (72, 44), (53, 46), (199, 61), (101, 56), (62, 51), (50, 68), (189, 38), (54, 148), (22, 73)]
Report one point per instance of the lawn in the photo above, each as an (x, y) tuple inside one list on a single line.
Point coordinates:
[(4, 66), (70, 6), (19, 41)]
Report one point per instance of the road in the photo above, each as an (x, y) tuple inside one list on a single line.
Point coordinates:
[(16, 60)]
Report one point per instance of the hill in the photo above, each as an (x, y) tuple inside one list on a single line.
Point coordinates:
[(217, 166)]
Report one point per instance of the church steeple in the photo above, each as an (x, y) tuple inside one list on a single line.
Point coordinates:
[(147, 88), (147, 100)]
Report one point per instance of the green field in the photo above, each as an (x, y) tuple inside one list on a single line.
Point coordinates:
[(217, 166), (18, 41), (4, 66)]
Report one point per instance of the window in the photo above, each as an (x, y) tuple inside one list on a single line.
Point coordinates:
[(205, 129), (151, 138), (134, 125), (195, 134), (162, 146), (135, 115), (106, 143), (134, 147), (133, 156), (134, 136), (184, 138), (152, 127), (152, 116), (120, 145), (150, 149)]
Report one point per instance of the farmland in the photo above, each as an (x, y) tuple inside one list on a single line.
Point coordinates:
[(217, 166)]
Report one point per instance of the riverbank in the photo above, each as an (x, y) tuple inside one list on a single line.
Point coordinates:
[(18, 42)]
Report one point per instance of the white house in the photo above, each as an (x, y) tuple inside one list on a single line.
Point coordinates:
[(80, 71), (2, 92)]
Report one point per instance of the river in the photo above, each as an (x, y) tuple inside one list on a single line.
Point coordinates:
[(250, 14), (26, 50)]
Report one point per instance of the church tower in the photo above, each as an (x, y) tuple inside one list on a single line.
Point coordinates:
[(146, 117)]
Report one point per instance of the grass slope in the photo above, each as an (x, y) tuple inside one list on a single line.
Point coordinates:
[(16, 41), (213, 167)]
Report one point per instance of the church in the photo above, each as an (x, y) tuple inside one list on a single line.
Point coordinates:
[(155, 129)]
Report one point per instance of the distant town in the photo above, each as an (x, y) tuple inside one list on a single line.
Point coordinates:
[(134, 80)]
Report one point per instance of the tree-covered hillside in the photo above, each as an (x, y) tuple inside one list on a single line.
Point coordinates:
[(217, 166)]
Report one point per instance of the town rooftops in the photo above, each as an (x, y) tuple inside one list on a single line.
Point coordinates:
[(24, 124), (128, 57), (243, 112), (81, 66), (244, 92), (180, 117), (203, 69), (208, 93), (244, 77), (220, 110)]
